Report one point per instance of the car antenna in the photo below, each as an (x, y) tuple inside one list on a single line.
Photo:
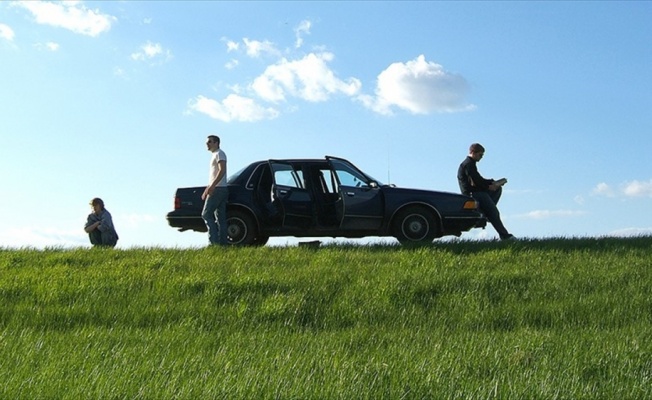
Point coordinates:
[(389, 182)]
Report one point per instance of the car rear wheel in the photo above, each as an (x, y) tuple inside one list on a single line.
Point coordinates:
[(241, 228), (415, 225)]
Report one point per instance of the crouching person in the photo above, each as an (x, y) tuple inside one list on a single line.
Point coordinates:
[(99, 225)]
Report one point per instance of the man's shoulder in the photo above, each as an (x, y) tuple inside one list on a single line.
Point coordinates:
[(219, 155), (467, 161)]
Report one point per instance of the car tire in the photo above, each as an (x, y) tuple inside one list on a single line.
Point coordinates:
[(415, 225), (261, 240), (241, 228)]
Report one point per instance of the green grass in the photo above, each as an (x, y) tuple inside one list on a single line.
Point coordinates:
[(539, 319)]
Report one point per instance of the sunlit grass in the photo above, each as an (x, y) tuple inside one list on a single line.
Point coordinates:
[(557, 318)]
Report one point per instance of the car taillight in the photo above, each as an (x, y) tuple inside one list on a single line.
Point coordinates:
[(177, 203), (470, 205)]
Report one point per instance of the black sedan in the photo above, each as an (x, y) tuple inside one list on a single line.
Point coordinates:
[(326, 197)]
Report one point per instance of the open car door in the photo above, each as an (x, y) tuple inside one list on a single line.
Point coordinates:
[(289, 193), (361, 206)]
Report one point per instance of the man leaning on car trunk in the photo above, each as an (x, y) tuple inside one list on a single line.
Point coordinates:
[(216, 194), (486, 191)]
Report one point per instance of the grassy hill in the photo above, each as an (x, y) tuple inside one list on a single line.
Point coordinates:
[(540, 319)]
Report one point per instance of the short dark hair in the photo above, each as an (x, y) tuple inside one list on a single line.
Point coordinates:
[(476, 148), (97, 201), (214, 138)]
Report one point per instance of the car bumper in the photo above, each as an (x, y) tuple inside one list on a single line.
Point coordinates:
[(184, 221), (458, 225)]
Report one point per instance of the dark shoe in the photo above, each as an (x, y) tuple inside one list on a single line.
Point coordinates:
[(509, 237)]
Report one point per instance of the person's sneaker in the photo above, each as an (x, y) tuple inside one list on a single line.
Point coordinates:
[(509, 237)]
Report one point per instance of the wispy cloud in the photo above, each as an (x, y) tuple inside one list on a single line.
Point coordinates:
[(233, 108), (49, 46), (6, 33), (602, 189), (71, 15), (300, 31), (633, 188), (637, 189), (256, 48), (39, 237), (420, 87), (135, 220), (71, 234), (153, 52), (547, 214), (417, 86), (232, 64), (631, 232), (309, 79), (230, 45)]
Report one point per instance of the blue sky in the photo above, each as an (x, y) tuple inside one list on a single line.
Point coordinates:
[(115, 99)]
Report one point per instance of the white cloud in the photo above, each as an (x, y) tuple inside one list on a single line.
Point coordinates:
[(130, 221), (71, 15), (546, 214), (309, 79), (628, 189), (255, 48), (420, 87), (117, 71), (232, 64), (233, 108), (52, 46), (602, 189), (152, 51), (49, 46), (637, 189), (231, 45), (300, 31), (7, 33), (72, 234), (417, 86), (39, 237)]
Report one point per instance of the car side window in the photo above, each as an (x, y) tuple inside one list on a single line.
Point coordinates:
[(349, 177), (285, 175)]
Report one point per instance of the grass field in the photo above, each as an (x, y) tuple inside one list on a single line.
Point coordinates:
[(534, 319)]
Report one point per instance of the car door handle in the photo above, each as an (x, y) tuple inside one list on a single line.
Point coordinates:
[(283, 192), (350, 194)]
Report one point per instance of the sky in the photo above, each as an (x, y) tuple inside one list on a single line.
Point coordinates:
[(114, 99)]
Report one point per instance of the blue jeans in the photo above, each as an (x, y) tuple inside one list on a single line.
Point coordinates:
[(214, 215), (488, 201)]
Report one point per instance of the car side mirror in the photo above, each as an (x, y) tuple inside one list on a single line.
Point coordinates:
[(373, 184)]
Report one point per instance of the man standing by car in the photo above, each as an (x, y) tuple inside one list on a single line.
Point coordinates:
[(486, 191), (216, 194)]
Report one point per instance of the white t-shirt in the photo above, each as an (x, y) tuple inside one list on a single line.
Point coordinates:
[(218, 156)]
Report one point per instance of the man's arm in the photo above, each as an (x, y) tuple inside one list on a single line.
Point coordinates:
[(221, 167), (91, 224), (477, 180)]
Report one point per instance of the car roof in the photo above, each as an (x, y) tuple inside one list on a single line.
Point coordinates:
[(326, 158)]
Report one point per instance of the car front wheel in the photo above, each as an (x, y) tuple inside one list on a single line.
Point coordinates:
[(415, 225), (241, 229)]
